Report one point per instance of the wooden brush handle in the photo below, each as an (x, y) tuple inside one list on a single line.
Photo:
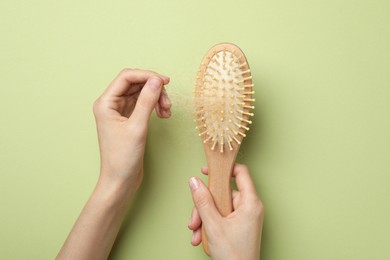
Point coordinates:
[(220, 166), (220, 186)]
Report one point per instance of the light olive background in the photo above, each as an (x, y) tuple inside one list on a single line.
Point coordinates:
[(318, 151)]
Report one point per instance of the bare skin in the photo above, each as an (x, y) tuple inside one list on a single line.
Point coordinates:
[(236, 236), (122, 116)]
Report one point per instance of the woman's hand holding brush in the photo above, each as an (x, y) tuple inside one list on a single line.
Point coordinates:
[(236, 236)]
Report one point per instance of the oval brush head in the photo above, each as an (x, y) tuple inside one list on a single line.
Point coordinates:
[(223, 97), (223, 100)]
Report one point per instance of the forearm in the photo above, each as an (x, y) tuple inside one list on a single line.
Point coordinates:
[(95, 230)]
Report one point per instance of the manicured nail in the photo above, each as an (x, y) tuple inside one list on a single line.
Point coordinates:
[(194, 183), (154, 83)]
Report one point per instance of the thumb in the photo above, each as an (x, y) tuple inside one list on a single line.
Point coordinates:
[(204, 202), (147, 100)]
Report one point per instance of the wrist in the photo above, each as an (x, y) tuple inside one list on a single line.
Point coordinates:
[(126, 178), (226, 255), (235, 254), (114, 190)]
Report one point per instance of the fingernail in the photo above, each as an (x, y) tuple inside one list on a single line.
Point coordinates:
[(194, 183), (154, 83)]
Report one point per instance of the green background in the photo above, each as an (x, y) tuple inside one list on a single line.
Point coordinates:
[(318, 151)]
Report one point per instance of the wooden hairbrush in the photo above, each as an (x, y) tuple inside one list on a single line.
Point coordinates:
[(223, 105)]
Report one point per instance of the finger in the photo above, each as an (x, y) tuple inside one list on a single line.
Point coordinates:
[(165, 101), (134, 89), (195, 220), (235, 194), (158, 110), (167, 113), (147, 100), (196, 237), (165, 104), (204, 170), (163, 107), (236, 199), (127, 78), (204, 202), (162, 113), (243, 180)]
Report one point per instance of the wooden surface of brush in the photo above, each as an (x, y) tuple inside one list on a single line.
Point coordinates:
[(223, 105)]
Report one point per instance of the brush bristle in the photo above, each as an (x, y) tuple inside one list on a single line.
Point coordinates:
[(223, 97)]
